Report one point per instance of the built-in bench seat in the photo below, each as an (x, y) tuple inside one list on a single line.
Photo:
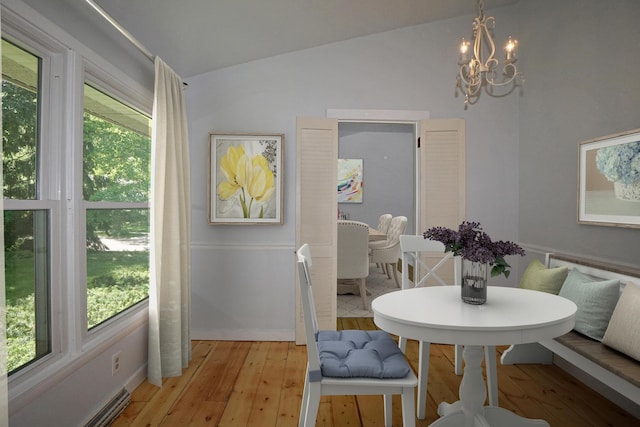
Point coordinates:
[(610, 359), (613, 369)]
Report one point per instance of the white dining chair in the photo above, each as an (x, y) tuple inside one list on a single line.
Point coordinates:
[(351, 362), (387, 252), (383, 222), (353, 255), (413, 249), (383, 227)]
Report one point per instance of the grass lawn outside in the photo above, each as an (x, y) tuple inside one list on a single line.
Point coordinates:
[(116, 280)]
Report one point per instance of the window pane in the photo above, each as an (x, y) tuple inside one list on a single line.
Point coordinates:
[(20, 109), (26, 235), (117, 261), (26, 259), (117, 150)]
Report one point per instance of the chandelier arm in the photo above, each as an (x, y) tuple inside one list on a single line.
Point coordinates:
[(477, 41), (507, 68), (486, 35), (491, 64), (472, 83), (503, 94), (468, 77)]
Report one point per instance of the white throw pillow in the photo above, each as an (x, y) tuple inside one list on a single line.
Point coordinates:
[(623, 332)]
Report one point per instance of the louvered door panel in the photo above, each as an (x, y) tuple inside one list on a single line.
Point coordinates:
[(317, 206), (442, 179)]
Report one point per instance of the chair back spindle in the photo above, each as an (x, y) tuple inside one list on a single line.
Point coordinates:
[(308, 307), (411, 247)]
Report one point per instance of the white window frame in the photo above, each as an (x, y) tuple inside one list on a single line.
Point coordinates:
[(65, 62), (102, 81), (52, 64)]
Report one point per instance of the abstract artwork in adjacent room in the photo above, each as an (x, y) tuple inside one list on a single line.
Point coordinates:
[(350, 181)]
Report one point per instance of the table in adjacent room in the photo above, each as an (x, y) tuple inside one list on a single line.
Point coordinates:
[(376, 235)]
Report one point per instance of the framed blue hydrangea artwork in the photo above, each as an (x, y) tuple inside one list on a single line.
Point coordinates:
[(609, 180)]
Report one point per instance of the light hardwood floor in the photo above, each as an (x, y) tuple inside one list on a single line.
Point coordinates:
[(233, 383)]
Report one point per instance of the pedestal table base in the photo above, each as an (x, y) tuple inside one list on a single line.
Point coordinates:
[(469, 410)]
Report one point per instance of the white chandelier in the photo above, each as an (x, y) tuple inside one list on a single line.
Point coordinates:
[(481, 69)]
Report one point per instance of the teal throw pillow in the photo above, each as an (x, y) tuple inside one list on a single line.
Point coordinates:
[(539, 278), (596, 300)]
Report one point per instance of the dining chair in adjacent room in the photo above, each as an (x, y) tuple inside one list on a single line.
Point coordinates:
[(387, 252), (350, 362), (384, 222), (383, 227), (353, 255), (413, 249)]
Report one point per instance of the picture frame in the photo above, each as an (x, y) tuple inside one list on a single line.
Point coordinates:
[(245, 178), (350, 180), (609, 180)]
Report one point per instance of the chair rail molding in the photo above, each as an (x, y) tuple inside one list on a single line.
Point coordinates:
[(205, 246), (543, 250)]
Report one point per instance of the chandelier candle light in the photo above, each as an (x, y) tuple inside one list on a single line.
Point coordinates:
[(479, 68)]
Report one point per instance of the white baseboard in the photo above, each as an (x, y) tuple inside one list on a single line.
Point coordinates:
[(136, 379), (244, 335)]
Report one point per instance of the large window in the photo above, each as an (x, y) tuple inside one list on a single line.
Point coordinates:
[(76, 212), (116, 178), (26, 218)]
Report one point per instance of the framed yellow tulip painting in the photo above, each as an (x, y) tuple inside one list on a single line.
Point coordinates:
[(245, 178)]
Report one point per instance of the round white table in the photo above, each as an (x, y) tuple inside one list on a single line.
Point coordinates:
[(510, 316)]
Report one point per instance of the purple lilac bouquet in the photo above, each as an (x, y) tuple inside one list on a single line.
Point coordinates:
[(473, 244)]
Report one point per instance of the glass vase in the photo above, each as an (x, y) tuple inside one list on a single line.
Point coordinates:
[(474, 282)]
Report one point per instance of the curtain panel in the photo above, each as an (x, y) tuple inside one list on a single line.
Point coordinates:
[(170, 284)]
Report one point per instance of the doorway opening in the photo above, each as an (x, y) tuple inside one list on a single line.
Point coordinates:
[(388, 154)]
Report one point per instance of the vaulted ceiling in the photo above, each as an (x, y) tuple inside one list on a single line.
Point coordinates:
[(197, 36)]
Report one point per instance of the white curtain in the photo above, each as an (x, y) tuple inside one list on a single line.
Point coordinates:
[(170, 287)]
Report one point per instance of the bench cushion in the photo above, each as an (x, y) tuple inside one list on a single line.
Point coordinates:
[(610, 359), (539, 278), (356, 353), (595, 300), (623, 332)]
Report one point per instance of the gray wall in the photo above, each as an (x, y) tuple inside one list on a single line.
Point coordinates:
[(388, 154), (521, 150), (243, 278), (582, 83)]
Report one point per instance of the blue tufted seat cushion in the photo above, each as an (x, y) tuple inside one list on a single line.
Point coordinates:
[(356, 353)]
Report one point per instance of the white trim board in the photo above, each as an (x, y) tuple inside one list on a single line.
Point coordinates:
[(377, 115)]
